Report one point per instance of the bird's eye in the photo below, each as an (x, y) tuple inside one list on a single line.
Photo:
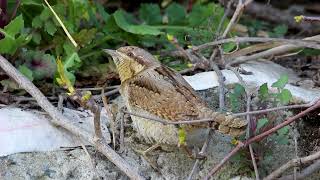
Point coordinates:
[(130, 54)]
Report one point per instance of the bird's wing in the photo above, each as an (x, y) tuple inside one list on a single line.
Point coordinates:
[(165, 93)]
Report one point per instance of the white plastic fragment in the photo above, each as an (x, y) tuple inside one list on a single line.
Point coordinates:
[(261, 72), (27, 131)]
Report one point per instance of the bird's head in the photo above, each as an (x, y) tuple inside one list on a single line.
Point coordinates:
[(131, 60)]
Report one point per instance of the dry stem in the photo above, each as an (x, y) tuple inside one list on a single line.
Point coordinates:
[(293, 163)]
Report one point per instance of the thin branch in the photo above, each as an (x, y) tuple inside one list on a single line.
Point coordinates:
[(255, 167), (91, 105), (186, 53), (293, 163), (110, 116), (261, 136), (109, 93), (202, 152), (98, 88), (249, 120), (295, 134), (221, 79), (307, 18), (60, 120), (275, 109), (304, 173), (274, 51), (224, 160), (224, 17), (235, 16), (92, 162), (310, 43)]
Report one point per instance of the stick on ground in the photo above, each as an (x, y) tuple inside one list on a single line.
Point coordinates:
[(59, 120)]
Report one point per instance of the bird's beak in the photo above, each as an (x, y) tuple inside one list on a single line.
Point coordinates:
[(111, 52), (114, 54)]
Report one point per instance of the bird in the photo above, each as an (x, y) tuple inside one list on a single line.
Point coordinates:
[(157, 91)]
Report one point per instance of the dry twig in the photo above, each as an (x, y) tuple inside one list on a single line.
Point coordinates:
[(304, 173), (202, 152), (110, 116), (293, 163), (311, 42), (271, 52)]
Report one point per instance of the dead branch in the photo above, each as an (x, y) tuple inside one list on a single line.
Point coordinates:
[(59, 120), (304, 173), (311, 42), (249, 120), (271, 52), (292, 163), (91, 105), (202, 152)]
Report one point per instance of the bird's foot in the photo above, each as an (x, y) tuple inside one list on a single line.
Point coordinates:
[(144, 154)]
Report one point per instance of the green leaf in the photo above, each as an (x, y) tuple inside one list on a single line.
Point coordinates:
[(85, 36), (279, 31), (121, 21), (45, 14), (262, 122), (284, 96), (36, 22), (263, 92), (105, 16), (26, 71), (281, 136), (50, 27), (9, 43), (282, 140), (176, 14), (283, 131), (238, 90), (200, 14), (32, 2), (36, 37), (281, 83), (42, 65), (14, 26), (71, 62), (150, 13)]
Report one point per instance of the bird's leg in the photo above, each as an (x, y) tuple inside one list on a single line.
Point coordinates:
[(144, 154)]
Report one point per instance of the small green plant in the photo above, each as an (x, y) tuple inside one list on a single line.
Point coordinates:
[(266, 99), (236, 98), (34, 38)]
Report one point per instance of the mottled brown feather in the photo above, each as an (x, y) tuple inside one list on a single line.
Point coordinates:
[(165, 93), (154, 89)]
